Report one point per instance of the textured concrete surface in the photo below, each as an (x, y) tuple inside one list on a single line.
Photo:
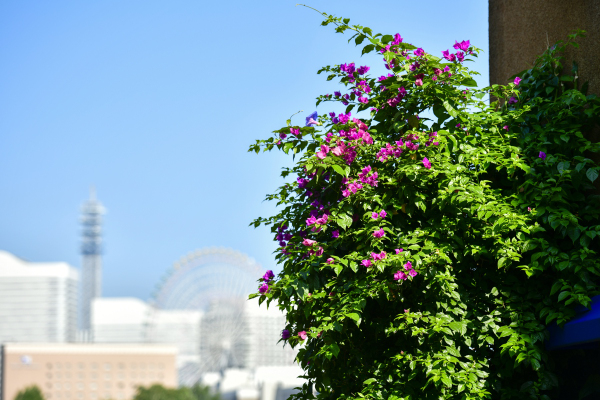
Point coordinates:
[(521, 30)]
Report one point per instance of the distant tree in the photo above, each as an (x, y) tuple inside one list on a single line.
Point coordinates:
[(201, 392), (159, 392), (30, 393)]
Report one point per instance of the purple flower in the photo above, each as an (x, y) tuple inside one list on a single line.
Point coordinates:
[(400, 275), (419, 52), (379, 233), (282, 135), (517, 81), (312, 119), (408, 266), (363, 70), (366, 263), (337, 94), (374, 215), (542, 155), (264, 288), (335, 234), (426, 163), (460, 56), (309, 242), (448, 56), (268, 276), (397, 39), (383, 214), (285, 334), (412, 273), (505, 127), (512, 100), (464, 45)]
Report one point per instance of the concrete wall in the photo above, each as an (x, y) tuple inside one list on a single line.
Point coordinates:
[(520, 30)]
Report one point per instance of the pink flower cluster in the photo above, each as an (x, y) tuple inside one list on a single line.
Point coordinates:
[(351, 187), (348, 153), (377, 257), (389, 151), (460, 55), (404, 276), (313, 220), (323, 152), (379, 233), (381, 215), (430, 141), (350, 69), (393, 102), (364, 176)]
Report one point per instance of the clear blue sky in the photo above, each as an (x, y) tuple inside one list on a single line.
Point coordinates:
[(156, 102)]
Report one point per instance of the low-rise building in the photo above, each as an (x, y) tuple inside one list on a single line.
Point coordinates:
[(86, 371)]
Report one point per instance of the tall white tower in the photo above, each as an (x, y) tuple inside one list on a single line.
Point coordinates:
[(91, 259)]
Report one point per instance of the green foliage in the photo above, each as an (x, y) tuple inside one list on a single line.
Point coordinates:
[(30, 393), (159, 392), (502, 242)]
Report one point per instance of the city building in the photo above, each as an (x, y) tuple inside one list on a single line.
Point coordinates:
[(91, 260), (130, 320), (263, 330), (38, 300), (86, 371)]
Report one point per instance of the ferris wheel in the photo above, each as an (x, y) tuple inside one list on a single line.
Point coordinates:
[(217, 282)]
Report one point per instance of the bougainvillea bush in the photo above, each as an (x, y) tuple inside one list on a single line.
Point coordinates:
[(429, 236)]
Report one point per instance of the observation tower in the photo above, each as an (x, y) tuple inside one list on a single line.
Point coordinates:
[(91, 258)]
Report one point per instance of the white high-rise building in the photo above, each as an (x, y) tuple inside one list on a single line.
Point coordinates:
[(264, 328), (38, 300), (91, 259)]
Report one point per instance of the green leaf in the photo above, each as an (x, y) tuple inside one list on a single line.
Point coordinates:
[(447, 381), (450, 109), (344, 221), (339, 170), (387, 38), (335, 349), (592, 174), (563, 295), (253, 295), (369, 381), (562, 166)]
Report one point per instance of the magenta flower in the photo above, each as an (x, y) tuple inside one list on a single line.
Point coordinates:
[(264, 288), (363, 70), (335, 234), (312, 119), (302, 335), (505, 127), (282, 135), (398, 251), (268, 276), (309, 242), (400, 275), (295, 132), (460, 56), (383, 214), (285, 334), (330, 261), (542, 155), (319, 252), (517, 81), (419, 52), (426, 163), (366, 263), (412, 273), (512, 100), (408, 266), (464, 45), (419, 79), (374, 215), (397, 39), (379, 233), (448, 56)]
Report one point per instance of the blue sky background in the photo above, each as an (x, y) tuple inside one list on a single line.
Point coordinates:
[(156, 102)]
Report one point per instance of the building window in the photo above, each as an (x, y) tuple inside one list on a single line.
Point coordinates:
[(121, 365), (49, 365), (107, 367), (81, 365), (49, 375), (58, 365), (94, 365)]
